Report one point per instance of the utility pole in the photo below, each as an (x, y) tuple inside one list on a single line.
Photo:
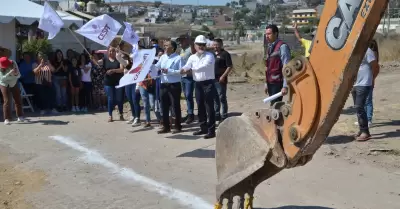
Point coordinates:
[(388, 9)]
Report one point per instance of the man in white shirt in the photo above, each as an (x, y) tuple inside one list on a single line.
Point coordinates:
[(170, 92), (361, 89), (203, 71)]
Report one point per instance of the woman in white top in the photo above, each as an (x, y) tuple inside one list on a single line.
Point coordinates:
[(86, 69)]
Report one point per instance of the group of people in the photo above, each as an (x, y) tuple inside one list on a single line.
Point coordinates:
[(83, 80), (195, 69), (201, 67)]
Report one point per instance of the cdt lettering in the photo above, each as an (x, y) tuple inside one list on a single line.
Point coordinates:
[(340, 25), (103, 32)]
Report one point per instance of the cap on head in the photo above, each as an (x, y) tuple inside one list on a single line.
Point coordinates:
[(200, 39), (5, 62)]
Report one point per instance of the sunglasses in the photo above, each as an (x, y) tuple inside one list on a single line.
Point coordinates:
[(198, 44)]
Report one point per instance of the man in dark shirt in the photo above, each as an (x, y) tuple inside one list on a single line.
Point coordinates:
[(223, 66)]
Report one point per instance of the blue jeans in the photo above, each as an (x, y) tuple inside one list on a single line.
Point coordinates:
[(369, 106), (114, 97), (61, 91), (220, 99), (134, 100), (148, 101), (360, 94), (188, 89)]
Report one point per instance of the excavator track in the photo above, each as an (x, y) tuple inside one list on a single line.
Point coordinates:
[(255, 146)]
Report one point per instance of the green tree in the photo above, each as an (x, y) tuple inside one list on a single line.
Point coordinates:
[(234, 4), (228, 4), (38, 45), (259, 34), (238, 31), (242, 3), (313, 3), (157, 4)]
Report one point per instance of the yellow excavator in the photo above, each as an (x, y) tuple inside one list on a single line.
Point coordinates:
[(257, 145)]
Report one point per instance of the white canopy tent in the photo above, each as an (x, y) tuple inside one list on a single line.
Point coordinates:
[(26, 13)]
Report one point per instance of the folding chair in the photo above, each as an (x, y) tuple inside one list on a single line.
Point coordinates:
[(24, 97)]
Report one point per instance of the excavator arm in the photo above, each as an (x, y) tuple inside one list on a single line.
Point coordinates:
[(257, 145)]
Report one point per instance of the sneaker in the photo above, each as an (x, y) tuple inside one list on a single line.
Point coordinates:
[(136, 122), (130, 121), (147, 125), (73, 109), (54, 111), (369, 124), (77, 109), (21, 119), (42, 112), (6, 122)]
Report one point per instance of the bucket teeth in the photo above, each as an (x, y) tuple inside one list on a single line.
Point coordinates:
[(248, 202), (218, 206)]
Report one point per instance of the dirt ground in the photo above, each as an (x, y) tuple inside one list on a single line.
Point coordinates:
[(16, 181), (39, 172)]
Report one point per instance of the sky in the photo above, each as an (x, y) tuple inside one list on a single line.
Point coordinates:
[(194, 2)]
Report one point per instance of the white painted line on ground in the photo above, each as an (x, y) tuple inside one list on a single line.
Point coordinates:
[(92, 156)]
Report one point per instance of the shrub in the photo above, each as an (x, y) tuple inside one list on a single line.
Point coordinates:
[(38, 45)]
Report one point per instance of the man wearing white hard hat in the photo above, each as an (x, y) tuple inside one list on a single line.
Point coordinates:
[(203, 70)]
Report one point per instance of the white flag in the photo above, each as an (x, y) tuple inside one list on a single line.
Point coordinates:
[(154, 71), (130, 35), (101, 29), (50, 21), (138, 74)]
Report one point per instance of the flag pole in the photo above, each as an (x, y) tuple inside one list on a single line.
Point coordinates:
[(84, 48), (69, 28)]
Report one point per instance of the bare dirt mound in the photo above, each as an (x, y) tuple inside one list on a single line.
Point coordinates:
[(15, 182)]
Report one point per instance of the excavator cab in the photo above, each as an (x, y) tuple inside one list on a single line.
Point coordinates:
[(257, 145)]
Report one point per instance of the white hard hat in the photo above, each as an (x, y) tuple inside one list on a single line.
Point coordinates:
[(200, 39)]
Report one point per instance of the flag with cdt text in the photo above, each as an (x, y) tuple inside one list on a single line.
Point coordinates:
[(50, 21), (137, 58), (138, 74), (101, 29), (130, 35)]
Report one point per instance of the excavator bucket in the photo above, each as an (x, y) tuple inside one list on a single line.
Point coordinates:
[(255, 146), (247, 152)]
